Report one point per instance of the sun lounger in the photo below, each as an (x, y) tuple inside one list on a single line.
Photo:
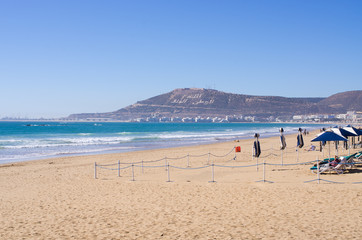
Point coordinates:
[(339, 166), (358, 157), (332, 166)]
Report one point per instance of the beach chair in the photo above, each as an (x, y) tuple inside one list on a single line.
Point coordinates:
[(329, 164), (329, 167), (341, 166), (321, 163), (358, 157), (350, 160)]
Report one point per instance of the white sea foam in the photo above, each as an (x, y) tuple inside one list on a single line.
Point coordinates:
[(87, 139), (58, 142), (47, 144)]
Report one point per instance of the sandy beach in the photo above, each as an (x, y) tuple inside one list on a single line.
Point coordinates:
[(60, 198)]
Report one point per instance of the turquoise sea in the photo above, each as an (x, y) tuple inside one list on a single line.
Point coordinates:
[(22, 141)]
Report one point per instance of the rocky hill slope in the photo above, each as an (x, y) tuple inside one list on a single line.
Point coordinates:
[(192, 102)]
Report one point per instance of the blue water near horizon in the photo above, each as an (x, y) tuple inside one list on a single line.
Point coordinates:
[(23, 141)]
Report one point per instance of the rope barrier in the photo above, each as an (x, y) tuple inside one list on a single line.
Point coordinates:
[(223, 166), (168, 166), (278, 150), (202, 155), (178, 158), (153, 161), (168, 158), (332, 181), (190, 168), (114, 168), (107, 165), (223, 155), (335, 181), (124, 163), (265, 150), (270, 154), (162, 166), (193, 156), (233, 159), (291, 164)]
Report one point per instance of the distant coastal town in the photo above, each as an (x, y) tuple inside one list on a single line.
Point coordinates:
[(349, 117)]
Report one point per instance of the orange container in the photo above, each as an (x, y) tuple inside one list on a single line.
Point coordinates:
[(237, 149)]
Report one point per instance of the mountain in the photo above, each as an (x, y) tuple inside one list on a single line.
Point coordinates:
[(342, 102), (194, 102)]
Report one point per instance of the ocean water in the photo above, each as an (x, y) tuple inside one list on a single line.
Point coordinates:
[(22, 141)]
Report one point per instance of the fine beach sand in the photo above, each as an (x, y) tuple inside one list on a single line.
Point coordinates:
[(59, 198)]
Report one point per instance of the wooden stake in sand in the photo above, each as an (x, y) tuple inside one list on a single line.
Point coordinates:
[(168, 172), (133, 173), (297, 155), (95, 170), (119, 168), (234, 152), (264, 180), (318, 174), (319, 178), (213, 173)]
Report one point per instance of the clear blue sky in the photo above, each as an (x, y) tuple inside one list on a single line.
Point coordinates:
[(69, 56)]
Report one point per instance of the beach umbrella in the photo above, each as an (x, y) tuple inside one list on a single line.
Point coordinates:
[(300, 141), (321, 143), (283, 144), (353, 130), (346, 134), (343, 132), (257, 150), (328, 136)]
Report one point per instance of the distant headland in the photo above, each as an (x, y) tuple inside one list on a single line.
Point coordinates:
[(208, 105)]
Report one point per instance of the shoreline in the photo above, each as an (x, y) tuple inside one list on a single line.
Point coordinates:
[(150, 147), (139, 146), (272, 143)]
